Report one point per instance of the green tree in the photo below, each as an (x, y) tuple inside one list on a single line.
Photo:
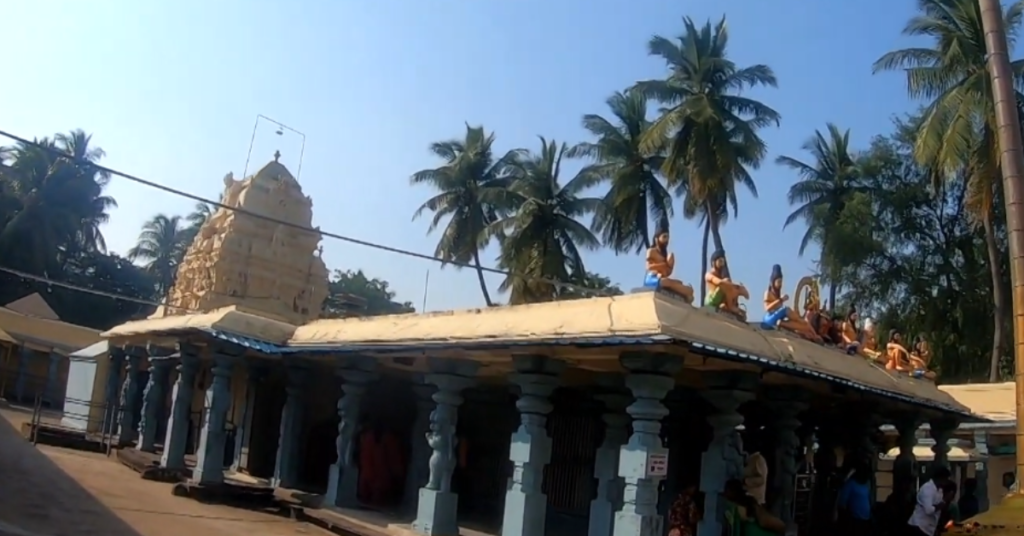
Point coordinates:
[(823, 188), (472, 186), (351, 292), (161, 246), (708, 127), (542, 234), (635, 194), (956, 135), (592, 285), (52, 202)]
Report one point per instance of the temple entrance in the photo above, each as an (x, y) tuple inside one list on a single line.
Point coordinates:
[(384, 442), (486, 421), (576, 431)]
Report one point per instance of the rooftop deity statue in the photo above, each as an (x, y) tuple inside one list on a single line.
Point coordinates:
[(897, 356), (849, 333), (869, 339), (660, 265), (808, 293), (920, 359), (779, 315), (723, 294)]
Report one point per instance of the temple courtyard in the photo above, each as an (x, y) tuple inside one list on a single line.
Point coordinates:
[(51, 491)]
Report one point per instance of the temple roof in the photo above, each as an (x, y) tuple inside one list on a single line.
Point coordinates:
[(629, 319)]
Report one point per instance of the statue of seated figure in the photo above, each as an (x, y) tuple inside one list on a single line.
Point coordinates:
[(897, 356), (869, 338), (660, 264), (723, 294), (920, 359), (778, 315)]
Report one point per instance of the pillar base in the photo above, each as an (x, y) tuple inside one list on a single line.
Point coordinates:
[(342, 486), (436, 513), (525, 513)]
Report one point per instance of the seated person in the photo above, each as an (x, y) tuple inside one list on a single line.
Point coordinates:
[(723, 294), (849, 333), (778, 314), (920, 358), (660, 264), (897, 356), (744, 516)]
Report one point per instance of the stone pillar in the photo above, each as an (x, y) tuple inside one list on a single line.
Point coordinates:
[(21, 377), (437, 509), (153, 402), (175, 441), (726, 393), (286, 466), (130, 395), (112, 392), (254, 377), (941, 431), (981, 470), (210, 456), (530, 448), (868, 447), (643, 461), (344, 476), (904, 468), (606, 465), (786, 405), (50, 392), (419, 456)]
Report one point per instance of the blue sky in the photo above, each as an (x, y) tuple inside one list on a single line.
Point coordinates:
[(171, 90)]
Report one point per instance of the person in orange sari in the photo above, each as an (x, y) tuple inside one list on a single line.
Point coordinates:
[(685, 513)]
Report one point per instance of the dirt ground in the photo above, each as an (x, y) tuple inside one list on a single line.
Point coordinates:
[(48, 491)]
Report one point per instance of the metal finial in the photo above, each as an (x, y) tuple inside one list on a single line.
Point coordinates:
[(277, 155)]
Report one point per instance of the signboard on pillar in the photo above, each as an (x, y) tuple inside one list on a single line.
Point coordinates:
[(657, 465)]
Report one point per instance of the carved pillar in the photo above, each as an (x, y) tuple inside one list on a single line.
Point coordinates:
[(530, 448), (176, 439), (981, 470), (286, 464), (941, 431), (438, 506), (606, 465), (111, 397), (904, 468), (213, 436), (417, 474), (254, 377), (643, 461), (153, 402), (130, 395), (344, 476), (50, 392), (786, 405), (21, 376), (726, 393)]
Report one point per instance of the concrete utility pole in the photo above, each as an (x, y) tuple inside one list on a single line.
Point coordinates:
[(1008, 517)]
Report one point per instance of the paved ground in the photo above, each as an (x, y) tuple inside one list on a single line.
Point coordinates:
[(56, 492)]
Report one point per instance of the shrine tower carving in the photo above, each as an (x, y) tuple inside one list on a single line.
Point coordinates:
[(258, 265)]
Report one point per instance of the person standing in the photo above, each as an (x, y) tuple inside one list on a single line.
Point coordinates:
[(930, 505), (855, 502)]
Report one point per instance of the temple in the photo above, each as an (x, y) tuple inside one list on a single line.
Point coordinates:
[(587, 416), (272, 268)]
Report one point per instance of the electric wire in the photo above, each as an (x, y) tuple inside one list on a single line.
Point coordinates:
[(40, 279), (328, 234)]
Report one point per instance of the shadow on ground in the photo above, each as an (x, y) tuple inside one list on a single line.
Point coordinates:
[(39, 498)]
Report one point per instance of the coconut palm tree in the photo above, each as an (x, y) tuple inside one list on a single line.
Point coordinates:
[(54, 204), (161, 246), (708, 128), (472, 186), (542, 236), (824, 187), (636, 195), (958, 128)]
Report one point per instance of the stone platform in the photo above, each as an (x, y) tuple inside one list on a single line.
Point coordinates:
[(147, 464)]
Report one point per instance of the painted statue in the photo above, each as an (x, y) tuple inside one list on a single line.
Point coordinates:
[(808, 293), (897, 356), (723, 294), (779, 315), (869, 338), (660, 264), (849, 332)]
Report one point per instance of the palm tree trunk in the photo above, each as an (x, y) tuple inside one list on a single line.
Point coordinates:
[(1012, 163), (704, 260), (998, 296), (480, 277)]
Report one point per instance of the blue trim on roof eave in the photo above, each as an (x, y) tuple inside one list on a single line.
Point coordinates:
[(733, 355)]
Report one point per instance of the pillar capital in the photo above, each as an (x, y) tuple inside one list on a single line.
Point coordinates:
[(116, 353), (453, 367), (651, 362), (155, 351), (136, 352), (187, 349)]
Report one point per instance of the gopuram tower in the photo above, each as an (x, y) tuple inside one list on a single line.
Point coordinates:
[(259, 266)]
